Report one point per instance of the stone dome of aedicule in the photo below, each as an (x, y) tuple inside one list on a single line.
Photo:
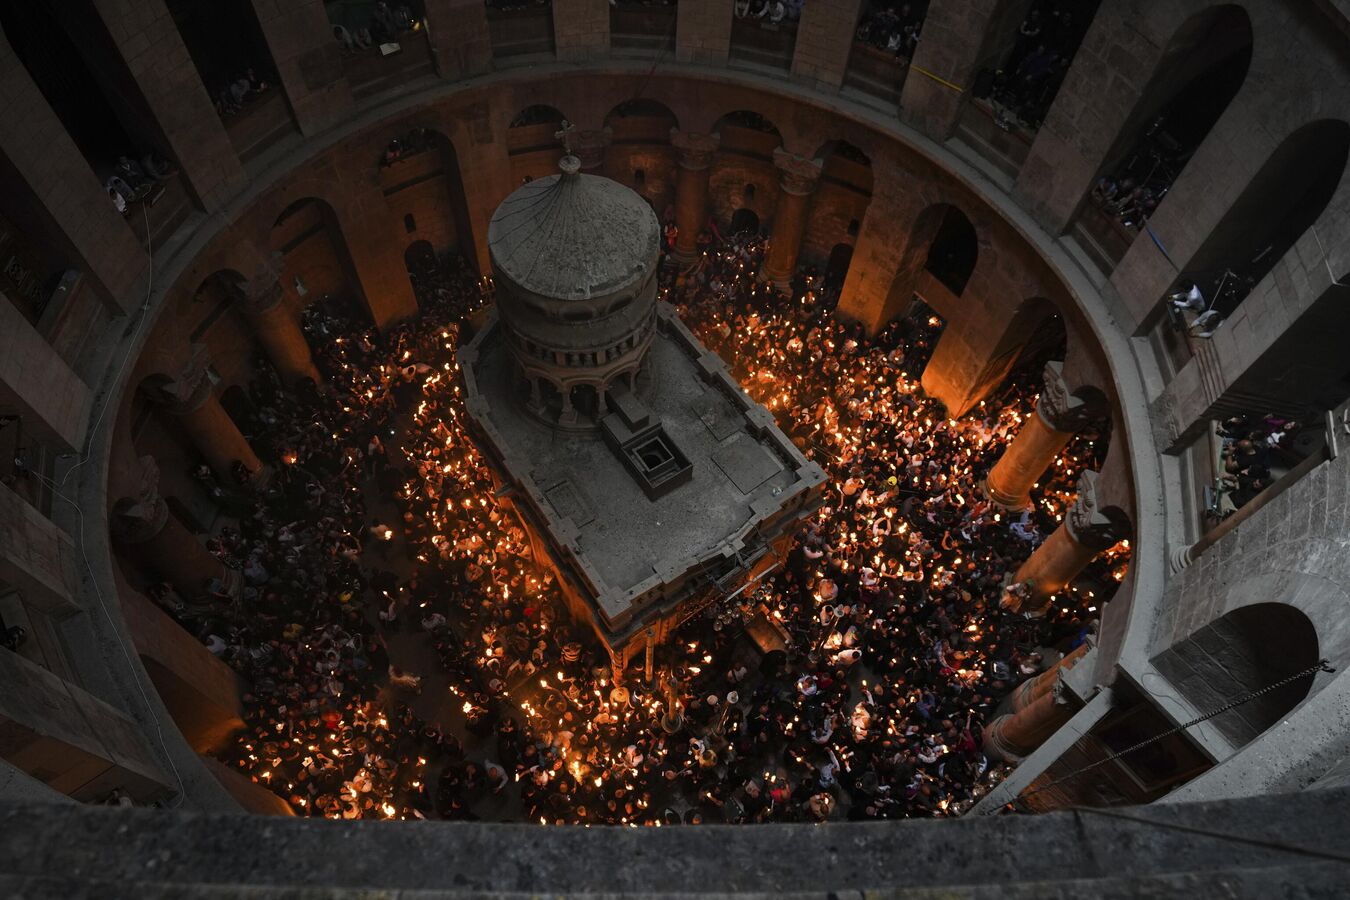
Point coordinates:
[(575, 258)]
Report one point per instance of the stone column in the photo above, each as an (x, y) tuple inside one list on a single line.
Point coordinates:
[(945, 64), (1058, 416), (36, 557), (1084, 533), (1036, 687), (797, 181), (200, 691), (71, 740), (192, 398), (460, 42), (144, 525), (308, 61), (37, 385), (589, 147), (276, 327), (1013, 737), (691, 188)]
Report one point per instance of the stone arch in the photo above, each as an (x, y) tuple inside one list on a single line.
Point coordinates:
[(219, 285), (747, 141), (954, 249), (1244, 650), (748, 120), (424, 187), (639, 140), (1201, 70), (837, 264), (316, 259), (842, 196), (418, 254), (1280, 203), (744, 221), (531, 143)]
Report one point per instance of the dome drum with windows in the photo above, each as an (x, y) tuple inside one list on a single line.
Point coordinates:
[(574, 258)]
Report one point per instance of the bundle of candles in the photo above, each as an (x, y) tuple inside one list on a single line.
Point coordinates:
[(435, 673)]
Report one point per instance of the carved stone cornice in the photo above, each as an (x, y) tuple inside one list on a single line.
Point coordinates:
[(142, 514), (187, 388), (1087, 523), (264, 290), (796, 174), (1060, 408), (696, 148)]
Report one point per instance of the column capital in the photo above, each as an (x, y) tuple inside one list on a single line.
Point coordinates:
[(141, 514), (187, 388), (696, 148), (589, 147), (264, 289), (797, 174), (1060, 408), (1087, 524)]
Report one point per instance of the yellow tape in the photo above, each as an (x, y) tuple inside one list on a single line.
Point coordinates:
[(942, 81)]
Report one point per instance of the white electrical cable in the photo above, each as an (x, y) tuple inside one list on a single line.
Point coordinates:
[(56, 492)]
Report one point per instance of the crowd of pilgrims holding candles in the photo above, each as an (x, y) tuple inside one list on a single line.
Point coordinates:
[(406, 657)]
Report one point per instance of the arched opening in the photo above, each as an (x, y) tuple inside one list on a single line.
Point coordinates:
[(420, 176), (420, 255), (532, 143), (1242, 651), (744, 221), (1200, 73), (1276, 208), (954, 251), (316, 264), (836, 269), (640, 139), (743, 174), (842, 195)]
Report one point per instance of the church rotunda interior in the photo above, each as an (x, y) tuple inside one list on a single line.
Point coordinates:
[(927, 410)]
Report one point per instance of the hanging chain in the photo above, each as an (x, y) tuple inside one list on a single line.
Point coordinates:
[(1322, 666)]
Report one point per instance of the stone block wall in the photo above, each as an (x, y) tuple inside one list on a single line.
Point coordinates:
[(580, 29), (152, 49), (824, 41), (703, 31)]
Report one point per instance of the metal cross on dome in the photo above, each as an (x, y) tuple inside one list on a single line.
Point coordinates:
[(565, 135)]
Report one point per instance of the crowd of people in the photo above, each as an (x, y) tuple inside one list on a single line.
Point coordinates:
[(134, 182), (407, 657), (1023, 88), (1251, 448), (893, 27), (768, 12), (237, 92), (385, 23)]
